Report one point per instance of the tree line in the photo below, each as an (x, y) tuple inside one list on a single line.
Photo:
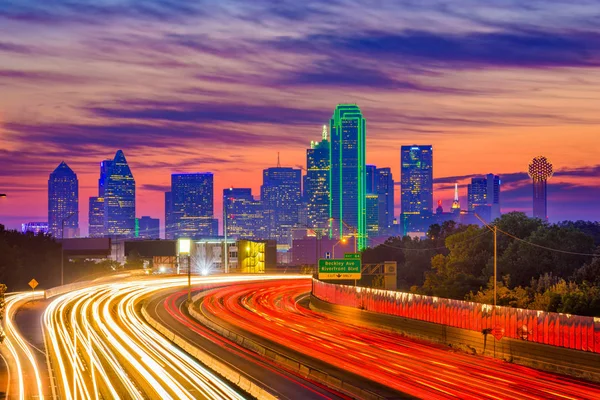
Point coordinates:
[(26, 256), (540, 266)]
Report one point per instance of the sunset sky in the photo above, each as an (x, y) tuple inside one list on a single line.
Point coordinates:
[(222, 86)]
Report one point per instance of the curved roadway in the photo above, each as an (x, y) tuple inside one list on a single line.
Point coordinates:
[(270, 310)]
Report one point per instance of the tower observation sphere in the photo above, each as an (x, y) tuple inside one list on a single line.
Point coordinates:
[(540, 170)]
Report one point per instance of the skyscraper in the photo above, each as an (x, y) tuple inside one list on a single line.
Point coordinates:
[(244, 214), (416, 184), (385, 192), (280, 195), (148, 228), (540, 170), (63, 202), (371, 179), (104, 173), (484, 196), (96, 217), (96, 204), (192, 205), (119, 199), (372, 211), (348, 173), (316, 183), (169, 224)]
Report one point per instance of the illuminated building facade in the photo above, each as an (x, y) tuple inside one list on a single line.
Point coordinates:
[(148, 228), (371, 178), (280, 195), (169, 224), (416, 185), (119, 199), (63, 202), (244, 217), (484, 196), (35, 227), (372, 210), (540, 170), (96, 204), (96, 217), (192, 205), (254, 257), (316, 183), (104, 173), (348, 173), (385, 192)]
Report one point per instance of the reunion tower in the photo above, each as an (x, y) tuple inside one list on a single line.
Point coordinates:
[(540, 170)]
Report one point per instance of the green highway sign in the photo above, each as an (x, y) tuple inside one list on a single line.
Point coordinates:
[(352, 255), (346, 268)]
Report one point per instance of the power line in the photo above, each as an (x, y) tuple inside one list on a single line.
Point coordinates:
[(547, 248), (432, 248)]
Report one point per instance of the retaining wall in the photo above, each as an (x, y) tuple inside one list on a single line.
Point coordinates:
[(554, 329)]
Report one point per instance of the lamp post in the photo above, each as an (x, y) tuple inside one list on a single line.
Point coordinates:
[(342, 240), (226, 251), (495, 230), (184, 247), (62, 252)]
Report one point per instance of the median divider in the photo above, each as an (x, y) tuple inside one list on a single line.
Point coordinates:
[(301, 368), (211, 362)]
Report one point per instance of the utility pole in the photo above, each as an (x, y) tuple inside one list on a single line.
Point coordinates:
[(62, 253), (226, 251), (495, 230)]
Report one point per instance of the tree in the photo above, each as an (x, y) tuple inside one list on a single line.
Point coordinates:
[(134, 260), (518, 297), (523, 261), (589, 228), (589, 273)]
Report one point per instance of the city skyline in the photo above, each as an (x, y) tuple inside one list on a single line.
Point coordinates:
[(445, 183), (191, 94)]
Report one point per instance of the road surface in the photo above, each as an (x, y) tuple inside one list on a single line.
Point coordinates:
[(170, 309), (270, 310)]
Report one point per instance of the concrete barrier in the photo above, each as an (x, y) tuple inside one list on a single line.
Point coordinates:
[(560, 360), (301, 368), (211, 362)]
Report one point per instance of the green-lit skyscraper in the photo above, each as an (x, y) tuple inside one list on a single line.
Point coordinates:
[(316, 183), (348, 130)]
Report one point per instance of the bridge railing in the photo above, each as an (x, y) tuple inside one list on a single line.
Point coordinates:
[(555, 329)]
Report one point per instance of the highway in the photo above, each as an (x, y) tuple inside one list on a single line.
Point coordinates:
[(270, 310), (27, 379), (170, 309), (102, 349)]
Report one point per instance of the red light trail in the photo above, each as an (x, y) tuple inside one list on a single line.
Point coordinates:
[(270, 310)]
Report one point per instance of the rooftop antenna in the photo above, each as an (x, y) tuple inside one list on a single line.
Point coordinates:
[(278, 163)]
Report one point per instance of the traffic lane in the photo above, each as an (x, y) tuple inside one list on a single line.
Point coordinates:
[(27, 320), (25, 375), (421, 369), (170, 310)]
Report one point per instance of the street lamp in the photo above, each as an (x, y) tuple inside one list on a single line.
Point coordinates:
[(343, 241), (184, 247), (495, 230), (62, 252)]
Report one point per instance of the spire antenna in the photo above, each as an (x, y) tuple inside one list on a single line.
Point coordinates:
[(278, 163)]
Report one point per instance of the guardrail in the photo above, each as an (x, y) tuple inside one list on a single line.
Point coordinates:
[(555, 329)]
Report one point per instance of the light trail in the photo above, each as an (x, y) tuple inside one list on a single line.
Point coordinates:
[(20, 350), (413, 367), (102, 348)]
